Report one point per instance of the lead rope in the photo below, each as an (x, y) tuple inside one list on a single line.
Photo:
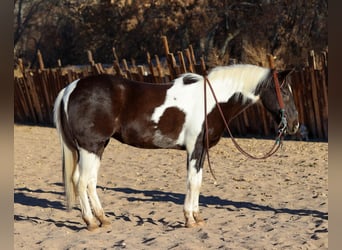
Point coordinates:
[(206, 130), (275, 147), (281, 128)]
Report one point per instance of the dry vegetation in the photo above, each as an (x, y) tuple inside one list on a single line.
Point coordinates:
[(219, 30)]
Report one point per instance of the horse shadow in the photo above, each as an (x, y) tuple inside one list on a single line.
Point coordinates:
[(30, 197), (205, 201), (72, 225), (23, 196)]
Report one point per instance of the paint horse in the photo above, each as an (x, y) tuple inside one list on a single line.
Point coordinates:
[(90, 111)]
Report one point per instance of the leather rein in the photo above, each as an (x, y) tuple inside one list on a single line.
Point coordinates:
[(281, 128)]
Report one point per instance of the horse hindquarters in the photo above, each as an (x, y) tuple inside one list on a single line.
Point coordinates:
[(80, 168)]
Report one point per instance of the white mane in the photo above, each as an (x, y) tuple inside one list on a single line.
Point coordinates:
[(240, 78)]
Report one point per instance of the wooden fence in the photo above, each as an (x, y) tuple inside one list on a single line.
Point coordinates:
[(35, 90)]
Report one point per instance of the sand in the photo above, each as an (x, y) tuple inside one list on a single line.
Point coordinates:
[(277, 203)]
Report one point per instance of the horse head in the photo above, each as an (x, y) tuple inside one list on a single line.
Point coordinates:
[(270, 100)]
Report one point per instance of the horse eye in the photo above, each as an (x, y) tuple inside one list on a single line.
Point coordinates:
[(286, 98)]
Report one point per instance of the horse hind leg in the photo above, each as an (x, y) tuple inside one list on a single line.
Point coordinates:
[(95, 201), (86, 174)]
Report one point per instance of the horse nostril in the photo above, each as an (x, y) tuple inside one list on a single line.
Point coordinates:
[(295, 127)]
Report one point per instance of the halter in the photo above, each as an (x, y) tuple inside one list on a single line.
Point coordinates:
[(281, 127)]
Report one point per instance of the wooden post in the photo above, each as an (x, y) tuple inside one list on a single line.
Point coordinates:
[(151, 67), (128, 72), (271, 61), (40, 60), (297, 91), (324, 89), (90, 58), (117, 68), (203, 67), (325, 59), (124, 62), (159, 69), (141, 72), (35, 99), (134, 66), (171, 62), (304, 101), (115, 55), (181, 61), (172, 65), (166, 45), (311, 59), (188, 57), (309, 102), (21, 97), (192, 55), (21, 65), (316, 102)]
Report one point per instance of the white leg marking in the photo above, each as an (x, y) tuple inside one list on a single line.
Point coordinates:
[(88, 166), (194, 182), (93, 196)]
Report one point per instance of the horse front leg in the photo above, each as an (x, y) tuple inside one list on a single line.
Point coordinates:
[(194, 182)]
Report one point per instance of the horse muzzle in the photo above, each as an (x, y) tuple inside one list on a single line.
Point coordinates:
[(291, 129)]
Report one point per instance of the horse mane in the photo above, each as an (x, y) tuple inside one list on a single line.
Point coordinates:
[(189, 78), (243, 79)]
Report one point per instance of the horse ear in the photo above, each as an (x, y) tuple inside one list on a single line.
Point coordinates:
[(285, 73)]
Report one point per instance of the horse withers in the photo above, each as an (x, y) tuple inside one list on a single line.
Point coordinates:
[(90, 111)]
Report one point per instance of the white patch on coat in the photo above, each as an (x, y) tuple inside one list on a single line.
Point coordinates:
[(88, 168), (194, 182), (189, 98)]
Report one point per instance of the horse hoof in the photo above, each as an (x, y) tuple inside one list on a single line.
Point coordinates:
[(190, 225), (105, 223), (200, 223), (198, 219), (92, 227), (195, 224)]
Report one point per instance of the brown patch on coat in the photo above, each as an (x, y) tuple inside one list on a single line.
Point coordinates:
[(171, 122)]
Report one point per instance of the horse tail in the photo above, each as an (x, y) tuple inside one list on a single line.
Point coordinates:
[(69, 149)]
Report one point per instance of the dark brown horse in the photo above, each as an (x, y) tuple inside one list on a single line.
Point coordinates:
[(90, 111)]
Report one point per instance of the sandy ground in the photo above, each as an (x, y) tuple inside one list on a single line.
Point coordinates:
[(278, 203)]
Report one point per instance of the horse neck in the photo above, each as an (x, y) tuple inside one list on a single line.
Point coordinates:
[(238, 79), (236, 87), (230, 110)]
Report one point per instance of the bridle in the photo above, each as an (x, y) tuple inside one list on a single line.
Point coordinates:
[(281, 127)]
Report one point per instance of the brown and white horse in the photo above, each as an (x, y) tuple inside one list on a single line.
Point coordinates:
[(90, 111)]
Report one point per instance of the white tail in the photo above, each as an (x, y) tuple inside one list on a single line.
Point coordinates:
[(69, 155)]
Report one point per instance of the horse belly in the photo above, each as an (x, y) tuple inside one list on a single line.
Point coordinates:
[(148, 137), (142, 132)]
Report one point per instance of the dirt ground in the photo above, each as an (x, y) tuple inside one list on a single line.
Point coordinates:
[(277, 203)]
